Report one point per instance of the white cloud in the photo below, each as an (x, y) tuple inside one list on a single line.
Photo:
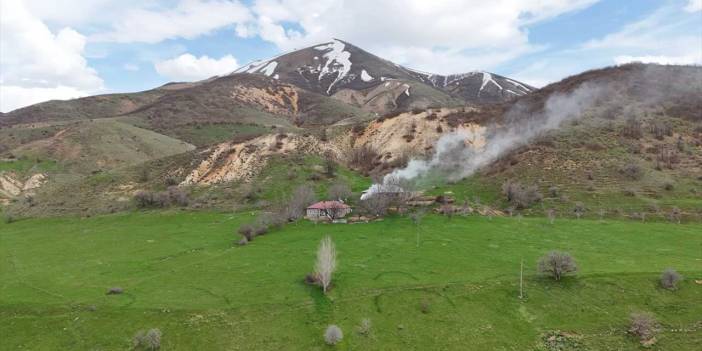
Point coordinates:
[(189, 19), (664, 37), (693, 6), (461, 35), (37, 64), (187, 67)]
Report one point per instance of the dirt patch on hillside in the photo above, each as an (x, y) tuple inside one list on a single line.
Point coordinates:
[(243, 161), (381, 98), (415, 133), (11, 185), (279, 99)]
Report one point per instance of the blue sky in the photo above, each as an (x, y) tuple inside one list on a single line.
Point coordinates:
[(70, 48)]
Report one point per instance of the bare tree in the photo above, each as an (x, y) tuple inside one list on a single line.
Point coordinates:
[(416, 216), (579, 209), (339, 191), (302, 197), (376, 205), (336, 210), (329, 164), (551, 214), (557, 264), (326, 262)]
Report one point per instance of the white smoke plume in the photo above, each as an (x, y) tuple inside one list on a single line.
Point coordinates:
[(455, 158)]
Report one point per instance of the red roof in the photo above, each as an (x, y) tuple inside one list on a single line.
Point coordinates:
[(323, 205)]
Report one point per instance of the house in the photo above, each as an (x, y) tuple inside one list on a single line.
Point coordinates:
[(327, 210)]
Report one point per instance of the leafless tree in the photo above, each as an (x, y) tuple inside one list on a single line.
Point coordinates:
[(675, 215), (302, 197), (339, 191), (326, 263), (416, 216), (579, 209), (335, 210), (376, 205), (329, 164), (551, 214), (557, 264)]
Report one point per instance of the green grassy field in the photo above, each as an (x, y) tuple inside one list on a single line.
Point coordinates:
[(182, 274)]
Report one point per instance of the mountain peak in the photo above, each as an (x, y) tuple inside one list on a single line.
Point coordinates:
[(330, 67)]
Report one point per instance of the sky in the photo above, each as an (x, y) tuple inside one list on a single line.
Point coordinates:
[(63, 49)]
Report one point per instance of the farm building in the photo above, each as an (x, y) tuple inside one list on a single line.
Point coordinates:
[(328, 210)]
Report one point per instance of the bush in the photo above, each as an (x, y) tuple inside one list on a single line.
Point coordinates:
[(333, 335), (553, 191), (519, 196), (115, 291), (247, 231), (557, 264), (670, 279), (150, 340), (632, 171), (365, 327), (643, 325), (668, 186)]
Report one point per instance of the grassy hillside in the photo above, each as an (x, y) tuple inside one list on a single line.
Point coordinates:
[(458, 290), (89, 146)]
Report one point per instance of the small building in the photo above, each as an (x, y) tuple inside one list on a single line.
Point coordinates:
[(327, 210)]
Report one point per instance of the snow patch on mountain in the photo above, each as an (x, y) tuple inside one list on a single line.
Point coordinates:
[(270, 68), (365, 76), (487, 79), (338, 61)]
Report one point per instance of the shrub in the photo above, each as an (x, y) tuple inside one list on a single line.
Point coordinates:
[(150, 340), (556, 264), (670, 279), (333, 335), (425, 306), (643, 325), (247, 231), (365, 327), (115, 291), (553, 191), (632, 171), (519, 196), (668, 186), (632, 128), (329, 165)]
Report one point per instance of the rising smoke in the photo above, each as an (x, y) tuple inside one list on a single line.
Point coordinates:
[(456, 159)]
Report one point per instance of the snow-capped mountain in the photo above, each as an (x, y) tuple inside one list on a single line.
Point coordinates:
[(331, 67)]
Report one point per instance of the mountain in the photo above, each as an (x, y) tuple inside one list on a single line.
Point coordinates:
[(337, 66)]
